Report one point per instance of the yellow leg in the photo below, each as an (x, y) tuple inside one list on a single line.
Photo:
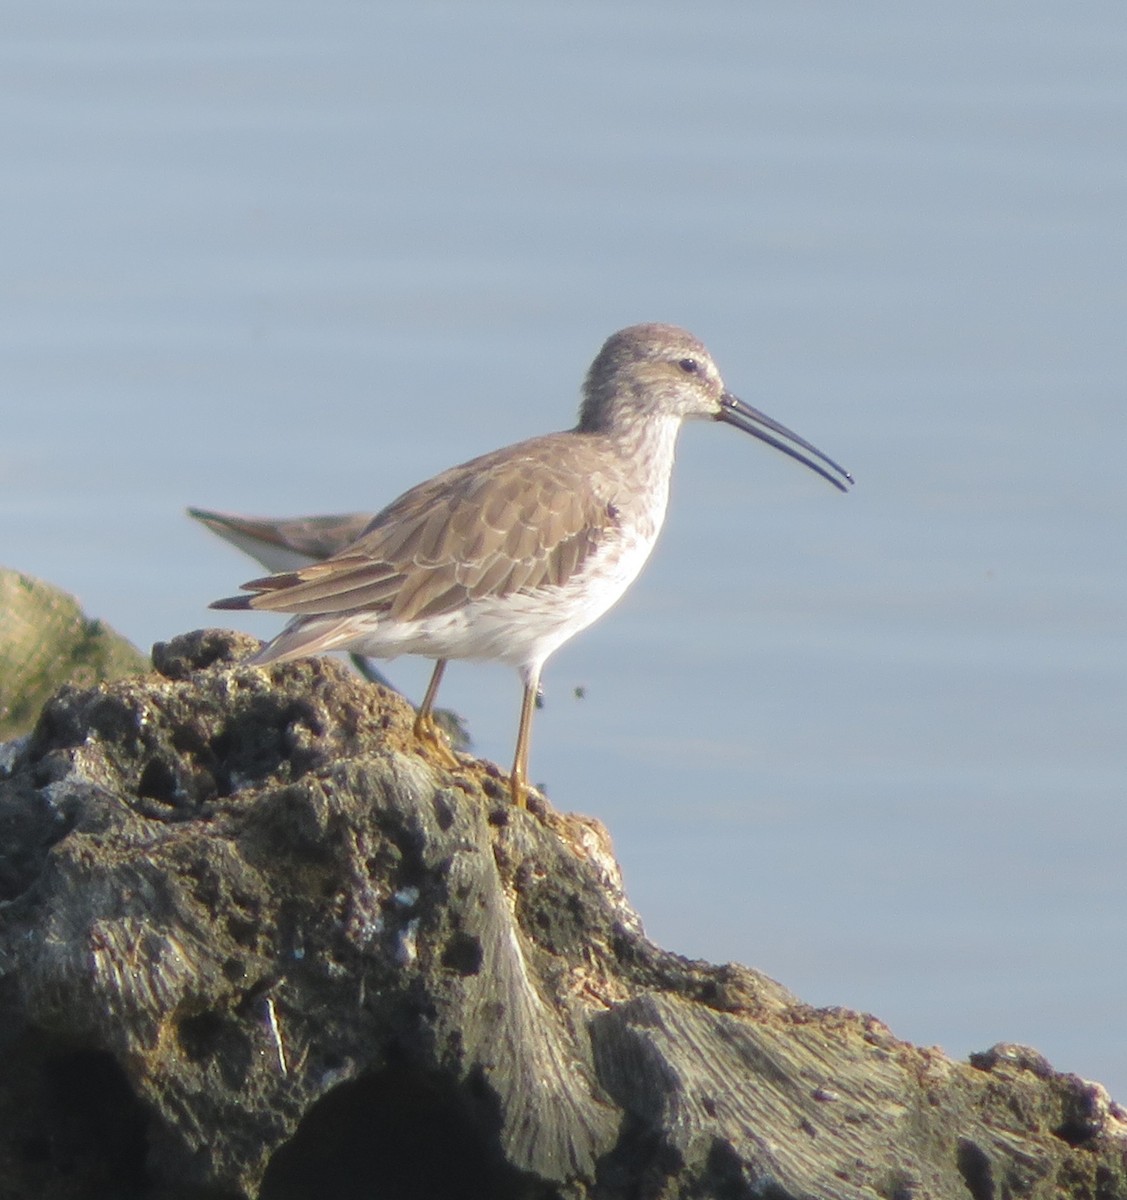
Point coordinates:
[(518, 780), (426, 709), (425, 728)]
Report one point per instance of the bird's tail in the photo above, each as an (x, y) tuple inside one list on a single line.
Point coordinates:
[(307, 636)]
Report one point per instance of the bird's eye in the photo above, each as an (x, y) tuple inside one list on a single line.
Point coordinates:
[(689, 365)]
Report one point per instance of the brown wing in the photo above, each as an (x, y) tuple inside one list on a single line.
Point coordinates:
[(512, 521)]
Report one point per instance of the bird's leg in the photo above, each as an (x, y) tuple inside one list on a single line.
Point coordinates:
[(425, 728), (424, 721), (518, 780)]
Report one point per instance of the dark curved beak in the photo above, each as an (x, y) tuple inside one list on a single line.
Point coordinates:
[(734, 411)]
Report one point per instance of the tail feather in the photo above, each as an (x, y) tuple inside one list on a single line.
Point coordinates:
[(232, 602), (307, 637)]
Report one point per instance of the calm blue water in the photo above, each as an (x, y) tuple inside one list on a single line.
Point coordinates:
[(294, 258)]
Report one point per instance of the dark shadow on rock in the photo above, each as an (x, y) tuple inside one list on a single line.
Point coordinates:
[(75, 1129), (74, 1124), (398, 1134)]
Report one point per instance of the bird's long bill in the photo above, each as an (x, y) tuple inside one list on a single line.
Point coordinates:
[(734, 411)]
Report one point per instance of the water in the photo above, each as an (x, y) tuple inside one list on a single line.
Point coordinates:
[(293, 258)]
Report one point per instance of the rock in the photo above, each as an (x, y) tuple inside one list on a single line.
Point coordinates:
[(46, 641), (254, 943)]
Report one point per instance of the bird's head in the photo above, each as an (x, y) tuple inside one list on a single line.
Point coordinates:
[(649, 373)]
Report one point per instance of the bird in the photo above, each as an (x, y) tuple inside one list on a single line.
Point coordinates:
[(285, 543), (289, 542), (509, 555)]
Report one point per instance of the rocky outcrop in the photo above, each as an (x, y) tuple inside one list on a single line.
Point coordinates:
[(254, 943), (45, 641)]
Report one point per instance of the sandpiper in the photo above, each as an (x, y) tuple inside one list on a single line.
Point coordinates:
[(289, 542), (509, 555)]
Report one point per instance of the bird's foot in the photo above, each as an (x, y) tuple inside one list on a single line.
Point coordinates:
[(428, 732)]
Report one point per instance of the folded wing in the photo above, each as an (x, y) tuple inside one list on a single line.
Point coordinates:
[(495, 526)]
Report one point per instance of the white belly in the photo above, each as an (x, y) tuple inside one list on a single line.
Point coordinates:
[(521, 629)]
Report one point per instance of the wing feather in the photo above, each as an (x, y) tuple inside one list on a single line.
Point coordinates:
[(514, 520)]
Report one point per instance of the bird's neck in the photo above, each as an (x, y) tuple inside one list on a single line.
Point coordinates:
[(648, 445)]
